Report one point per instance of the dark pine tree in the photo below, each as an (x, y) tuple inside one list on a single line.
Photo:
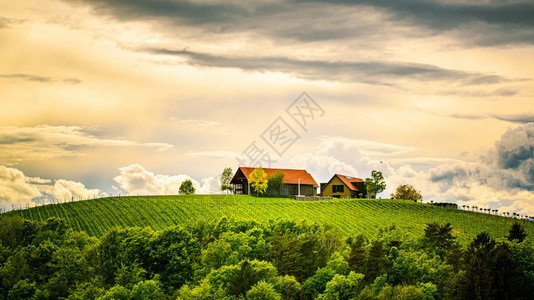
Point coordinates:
[(376, 262), (508, 277), (357, 255), (243, 279), (439, 238), (517, 232), (476, 282)]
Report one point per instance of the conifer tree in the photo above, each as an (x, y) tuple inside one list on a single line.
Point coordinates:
[(357, 255)]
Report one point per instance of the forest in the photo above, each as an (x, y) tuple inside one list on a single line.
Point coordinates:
[(243, 259)]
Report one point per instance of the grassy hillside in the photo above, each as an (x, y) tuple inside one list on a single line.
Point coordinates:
[(350, 216)]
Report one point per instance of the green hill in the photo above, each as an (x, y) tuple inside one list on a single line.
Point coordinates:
[(350, 216)]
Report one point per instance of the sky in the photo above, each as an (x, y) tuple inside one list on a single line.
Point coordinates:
[(101, 98)]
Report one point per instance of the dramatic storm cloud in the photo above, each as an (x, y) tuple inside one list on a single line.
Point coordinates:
[(382, 73), (494, 22), (514, 156)]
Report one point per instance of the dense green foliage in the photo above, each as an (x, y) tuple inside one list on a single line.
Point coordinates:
[(243, 259), (276, 182), (407, 192), (350, 216), (226, 178), (517, 232), (187, 188), (258, 181), (375, 184)]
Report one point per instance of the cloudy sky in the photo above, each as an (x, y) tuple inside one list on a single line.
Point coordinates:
[(134, 96)]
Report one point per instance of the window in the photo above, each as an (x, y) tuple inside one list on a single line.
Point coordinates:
[(338, 188)]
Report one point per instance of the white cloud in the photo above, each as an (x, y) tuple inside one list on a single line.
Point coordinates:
[(70, 190), (135, 180), (370, 148), (15, 188), (47, 142), (522, 207), (37, 180), (18, 190), (210, 185), (322, 166), (349, 157)]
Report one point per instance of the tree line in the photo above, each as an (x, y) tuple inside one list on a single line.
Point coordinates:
[(281, 259)]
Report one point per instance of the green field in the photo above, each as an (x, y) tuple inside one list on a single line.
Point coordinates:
[(350, 216)]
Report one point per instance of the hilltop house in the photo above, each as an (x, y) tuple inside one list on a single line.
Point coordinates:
[(341, 186), (293, 180)]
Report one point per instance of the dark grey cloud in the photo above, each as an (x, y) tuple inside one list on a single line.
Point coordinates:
[(488, 23), (28, 77), (517, 118), (509, 165), (514, 118), (512, 159), (8, 139), (448, 14), (183, 12), (7, 22), (38, 78), (379, 72), (4, 23), (447, 173), (72, 80), (515, 147), (468, 116), (485, 23)]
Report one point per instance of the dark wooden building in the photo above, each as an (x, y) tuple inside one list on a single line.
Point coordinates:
[(293, 179)]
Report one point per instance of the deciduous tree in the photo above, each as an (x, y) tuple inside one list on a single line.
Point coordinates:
[(258, 180), (375, 184), (407, 192), (263, 290), (276, 182), (226, 177), (187, 188)]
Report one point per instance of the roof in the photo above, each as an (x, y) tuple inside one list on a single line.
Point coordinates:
[(348, 180), (291, 176)]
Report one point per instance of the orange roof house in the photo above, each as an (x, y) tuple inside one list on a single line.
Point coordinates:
[(308, 186), (342, 186)]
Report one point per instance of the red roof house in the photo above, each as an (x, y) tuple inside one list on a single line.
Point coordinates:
[(292, 180)]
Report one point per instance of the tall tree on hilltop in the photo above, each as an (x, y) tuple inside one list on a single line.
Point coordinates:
[(187, 188), (226, 177), (407, 192), (375, 184)]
